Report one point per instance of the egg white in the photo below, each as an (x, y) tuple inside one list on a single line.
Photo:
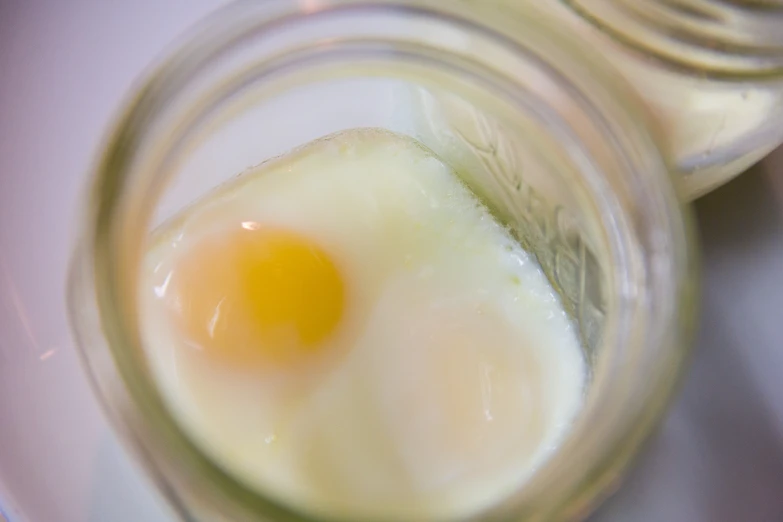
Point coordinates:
[(454, 373)]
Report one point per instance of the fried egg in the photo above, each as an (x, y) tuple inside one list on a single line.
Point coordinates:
[(348, 330)]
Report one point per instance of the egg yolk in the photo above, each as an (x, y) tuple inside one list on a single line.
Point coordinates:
[(256, 296)]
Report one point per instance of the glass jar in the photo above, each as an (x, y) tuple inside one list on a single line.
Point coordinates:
[(711, 70), (562, 153)]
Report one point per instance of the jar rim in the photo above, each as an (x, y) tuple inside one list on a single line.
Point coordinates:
[(103, 258), (721, 40)]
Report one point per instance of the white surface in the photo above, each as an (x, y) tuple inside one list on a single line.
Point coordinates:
[(64, 67)]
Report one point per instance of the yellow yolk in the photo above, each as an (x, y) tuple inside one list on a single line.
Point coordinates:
[(256, 296)]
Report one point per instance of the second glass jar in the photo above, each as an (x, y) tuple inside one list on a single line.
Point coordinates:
[(710, 71)]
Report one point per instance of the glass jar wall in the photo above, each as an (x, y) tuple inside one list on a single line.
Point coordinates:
[(558, 146), (711, 71)]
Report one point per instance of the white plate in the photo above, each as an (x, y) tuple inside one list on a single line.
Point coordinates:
[(64, 67)]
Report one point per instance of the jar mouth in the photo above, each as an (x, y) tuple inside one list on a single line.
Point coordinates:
[(624, 182), (708, 39)]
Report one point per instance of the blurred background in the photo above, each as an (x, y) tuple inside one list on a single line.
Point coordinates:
[(65, 67)]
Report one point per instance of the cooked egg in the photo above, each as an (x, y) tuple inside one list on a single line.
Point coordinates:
[(347, 329), (256, 296)]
